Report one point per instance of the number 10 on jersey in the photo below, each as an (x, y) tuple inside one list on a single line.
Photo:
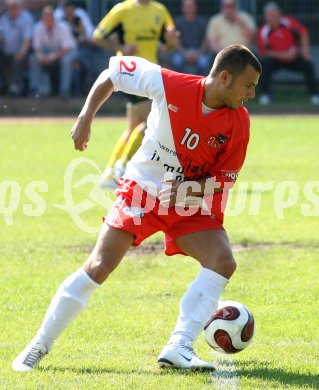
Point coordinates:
[(190, 139)]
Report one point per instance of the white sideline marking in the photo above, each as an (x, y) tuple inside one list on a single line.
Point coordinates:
[(225, 377)]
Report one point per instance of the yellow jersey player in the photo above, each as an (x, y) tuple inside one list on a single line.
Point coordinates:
[(133, 27)]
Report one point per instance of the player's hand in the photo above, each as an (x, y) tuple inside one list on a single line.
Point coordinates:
[(170, 196), (80, 133)]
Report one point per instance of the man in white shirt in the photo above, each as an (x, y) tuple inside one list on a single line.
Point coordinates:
[(230, 27), (54, 50)]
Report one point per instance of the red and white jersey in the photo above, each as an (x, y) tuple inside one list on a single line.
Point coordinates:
[(180, 141), (282, 38)]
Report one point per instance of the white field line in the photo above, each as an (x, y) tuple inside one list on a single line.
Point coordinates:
[(225, 376)]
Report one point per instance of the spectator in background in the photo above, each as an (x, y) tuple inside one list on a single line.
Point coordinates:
[(15, 41), (59, 14), (85, 51), (54, 51), (283, 42), (191, 55), (229, 27)]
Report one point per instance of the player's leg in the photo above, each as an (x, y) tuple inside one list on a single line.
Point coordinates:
[(126, 146), (139, 115), (133, 143), (270, 66), (111, 172), (306, 67), (74, 293), (109, 250), (211, 248)]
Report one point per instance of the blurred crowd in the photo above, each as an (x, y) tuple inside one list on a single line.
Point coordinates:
[(47, 48)]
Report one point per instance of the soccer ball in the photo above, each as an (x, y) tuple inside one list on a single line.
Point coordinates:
[(231, 328)]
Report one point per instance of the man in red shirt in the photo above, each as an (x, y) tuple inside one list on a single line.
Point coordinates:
[(177, 182), (283, 42)]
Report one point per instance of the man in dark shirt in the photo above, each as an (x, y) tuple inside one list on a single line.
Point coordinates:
[(191, 54)]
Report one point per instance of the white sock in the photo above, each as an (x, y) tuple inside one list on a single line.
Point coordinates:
[(197, 305), (68, 302)]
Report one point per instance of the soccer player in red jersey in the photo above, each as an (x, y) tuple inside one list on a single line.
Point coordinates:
[(177, 182)]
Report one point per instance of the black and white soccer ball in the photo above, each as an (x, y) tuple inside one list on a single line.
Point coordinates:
[(231, 328)]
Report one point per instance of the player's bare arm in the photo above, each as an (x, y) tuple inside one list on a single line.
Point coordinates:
[(99, 93)]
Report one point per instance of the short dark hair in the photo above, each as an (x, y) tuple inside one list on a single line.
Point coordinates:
[(235, 59)]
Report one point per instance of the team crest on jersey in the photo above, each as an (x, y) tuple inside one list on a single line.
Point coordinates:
[(216, 141)]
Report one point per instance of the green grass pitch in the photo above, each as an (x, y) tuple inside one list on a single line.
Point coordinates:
[(115, 342)]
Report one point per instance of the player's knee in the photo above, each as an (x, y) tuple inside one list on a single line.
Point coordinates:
[(229, 265), (224, 265), (98, 267), (232, 265)]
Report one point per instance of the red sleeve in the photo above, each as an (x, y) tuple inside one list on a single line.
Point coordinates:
[(295, 25), (233, 156), (261, 43)]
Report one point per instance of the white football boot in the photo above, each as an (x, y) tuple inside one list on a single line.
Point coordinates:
[(182, 356), (30, 357), (109, 178)]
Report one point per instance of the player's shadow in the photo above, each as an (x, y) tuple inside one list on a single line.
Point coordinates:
[(105, 370), (243, 369), (262, 371)]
